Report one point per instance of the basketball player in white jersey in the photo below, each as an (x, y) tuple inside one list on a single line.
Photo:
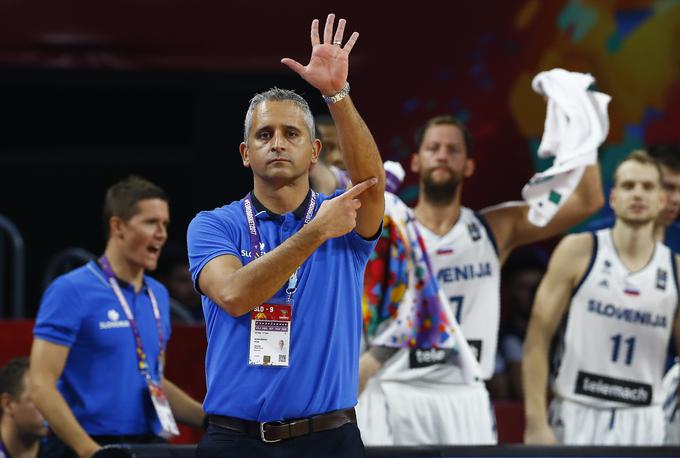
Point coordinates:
[(619, 288), (418, 395)]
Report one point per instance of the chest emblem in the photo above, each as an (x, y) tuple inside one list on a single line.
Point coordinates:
[(475, 233), (661, 278), (631, 290)]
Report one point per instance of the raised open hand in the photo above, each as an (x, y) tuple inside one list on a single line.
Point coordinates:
[(329, 63)]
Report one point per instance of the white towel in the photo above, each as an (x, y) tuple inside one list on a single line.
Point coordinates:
[(576, 124)]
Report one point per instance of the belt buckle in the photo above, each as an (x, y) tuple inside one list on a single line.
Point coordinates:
[(263, 437)]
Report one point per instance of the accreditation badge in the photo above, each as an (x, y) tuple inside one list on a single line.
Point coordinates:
[(270, 335), (163, 411)]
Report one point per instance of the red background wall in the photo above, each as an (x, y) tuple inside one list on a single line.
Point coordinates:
[(186, 356)]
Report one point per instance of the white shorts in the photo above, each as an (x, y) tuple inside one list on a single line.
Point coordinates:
[(414, 413), (579, 424), (670, 405)]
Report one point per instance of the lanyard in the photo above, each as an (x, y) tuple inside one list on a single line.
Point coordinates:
[(141, 356), (255, 241)]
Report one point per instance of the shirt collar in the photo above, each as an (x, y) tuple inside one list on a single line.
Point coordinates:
[(298, 212), (123, 284)]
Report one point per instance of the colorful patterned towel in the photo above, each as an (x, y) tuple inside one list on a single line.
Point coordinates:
[(403, 306), (400, 290)]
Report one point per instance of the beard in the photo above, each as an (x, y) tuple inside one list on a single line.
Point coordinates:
[(440, 192)]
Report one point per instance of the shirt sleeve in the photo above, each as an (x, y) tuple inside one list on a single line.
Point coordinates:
[(208, 237), (362, 247), (60, 313)]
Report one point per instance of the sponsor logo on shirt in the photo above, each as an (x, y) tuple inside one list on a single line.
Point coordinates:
[(425, 357), (627, 314), (464, 272), (113, 321), (611, 389)]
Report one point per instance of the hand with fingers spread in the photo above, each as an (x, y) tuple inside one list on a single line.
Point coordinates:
[(337, 216), (328, 65)]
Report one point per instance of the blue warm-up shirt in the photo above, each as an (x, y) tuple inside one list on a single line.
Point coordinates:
[(326, 325), (101, 381)]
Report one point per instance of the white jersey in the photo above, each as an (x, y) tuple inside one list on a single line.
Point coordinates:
[(618, 328), (465, 261), (431, 396)]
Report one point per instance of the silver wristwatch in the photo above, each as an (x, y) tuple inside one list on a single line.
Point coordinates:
[(335, 98)]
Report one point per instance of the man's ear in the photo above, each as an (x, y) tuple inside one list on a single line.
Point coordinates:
[(5, 403), (470, 166), (663, 199), (415, 163), (245, 157), (316, 150), (116, 227)]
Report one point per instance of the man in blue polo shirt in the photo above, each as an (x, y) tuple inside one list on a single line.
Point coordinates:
[(100, 337), (281, 276)]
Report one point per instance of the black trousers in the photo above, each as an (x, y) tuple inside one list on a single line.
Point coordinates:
[(342, 442)]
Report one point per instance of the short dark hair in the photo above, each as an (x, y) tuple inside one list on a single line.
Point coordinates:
[(667, 155), (445, 120), (12, 377), (121, 198), (641, 157)]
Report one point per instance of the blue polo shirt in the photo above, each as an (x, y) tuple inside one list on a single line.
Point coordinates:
[(326, 326), (101, 382)]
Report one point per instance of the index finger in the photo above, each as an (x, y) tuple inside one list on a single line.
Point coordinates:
[(358, 188)]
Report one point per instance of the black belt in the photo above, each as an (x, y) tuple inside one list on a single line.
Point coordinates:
[(275, 431)]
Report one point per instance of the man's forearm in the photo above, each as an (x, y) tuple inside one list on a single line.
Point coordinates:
[(588, 195), (62, 421), (185, 409), (254, 283), (535, 379), (371, 362), (359, 149)]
